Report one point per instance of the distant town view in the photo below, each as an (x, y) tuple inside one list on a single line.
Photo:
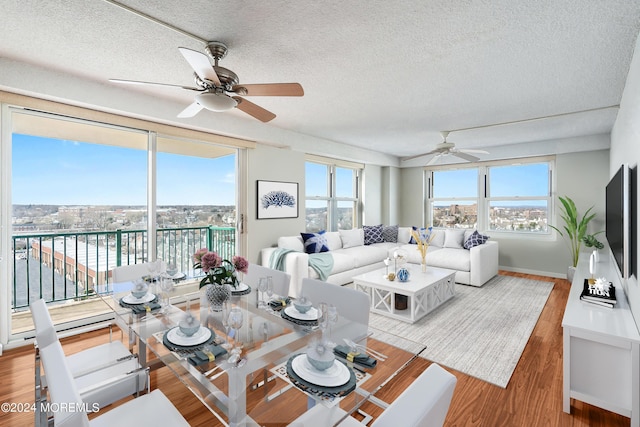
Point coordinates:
[(43, 218), (501, 218)]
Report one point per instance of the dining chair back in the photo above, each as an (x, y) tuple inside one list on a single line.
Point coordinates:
[(425, 403), (103, 374), (281, 280), (131, 272), (152, 409), (351, 304)]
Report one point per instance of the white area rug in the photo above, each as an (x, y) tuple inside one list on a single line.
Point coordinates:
[(481, 331)]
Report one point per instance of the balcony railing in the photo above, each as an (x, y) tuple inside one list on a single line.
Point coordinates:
[(69, 266)]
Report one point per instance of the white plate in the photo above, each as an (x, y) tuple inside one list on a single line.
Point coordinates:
[(175, 336), (241, 287), (335, 376), (291, 311), (130, 299), (178, 275)]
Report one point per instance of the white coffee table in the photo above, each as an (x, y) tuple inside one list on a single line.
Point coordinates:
[(425, 291)]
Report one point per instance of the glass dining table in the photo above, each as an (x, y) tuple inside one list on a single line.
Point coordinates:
[(270, 381)]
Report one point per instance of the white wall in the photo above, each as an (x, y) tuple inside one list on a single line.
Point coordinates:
[(625, 148), (272, 164)]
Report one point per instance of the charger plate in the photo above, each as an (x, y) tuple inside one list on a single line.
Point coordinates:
[(286, 316), (335, 376), (242, 289), (317, 389), (173, 339)]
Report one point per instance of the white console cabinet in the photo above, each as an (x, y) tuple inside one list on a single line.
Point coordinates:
[(601, 347)]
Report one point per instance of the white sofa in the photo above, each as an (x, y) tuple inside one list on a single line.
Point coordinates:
[(351, 256)]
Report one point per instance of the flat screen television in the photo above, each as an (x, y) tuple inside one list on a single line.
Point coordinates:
[(617, 218)]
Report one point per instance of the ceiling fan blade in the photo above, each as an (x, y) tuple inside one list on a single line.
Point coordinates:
[(134, 82), (254, 110), (473, 151), (200, 64), (434, 159), (465, 156), (191, 110), (270, 89), (404, 159)]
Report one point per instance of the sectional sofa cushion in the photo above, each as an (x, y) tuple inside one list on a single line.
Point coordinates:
[(372, 234), (351, 238), (315, 242), (390, 233), (475, 239), (453, 238)]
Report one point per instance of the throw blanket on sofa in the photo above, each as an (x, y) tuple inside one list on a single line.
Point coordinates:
[(322, 262)]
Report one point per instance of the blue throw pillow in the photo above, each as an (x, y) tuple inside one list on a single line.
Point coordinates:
[(421, 231), (315, 242), (372, 234), (475, 239), (390, 233)]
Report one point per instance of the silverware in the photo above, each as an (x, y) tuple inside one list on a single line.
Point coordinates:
[(375, 354)]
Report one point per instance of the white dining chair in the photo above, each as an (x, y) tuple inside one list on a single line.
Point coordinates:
[(131, 272), (152, 409), (351, 304), (104, 374), (281, 280), (425, 403)]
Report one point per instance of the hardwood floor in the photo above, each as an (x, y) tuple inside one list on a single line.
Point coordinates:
[(532, 398)]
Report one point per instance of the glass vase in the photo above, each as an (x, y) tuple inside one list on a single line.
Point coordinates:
[(217, 295), (423, 265)]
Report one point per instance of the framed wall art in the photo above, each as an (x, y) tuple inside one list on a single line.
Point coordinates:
[(277, 199)]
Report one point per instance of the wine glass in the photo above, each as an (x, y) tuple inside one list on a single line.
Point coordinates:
[(235, 322), (166, 286), (262, 287), (332, 319), (154, 268), (323, 319), (269, 292), (226, 309)]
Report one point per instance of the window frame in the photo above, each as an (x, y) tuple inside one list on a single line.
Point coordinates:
[(484, 194), (331, 197)]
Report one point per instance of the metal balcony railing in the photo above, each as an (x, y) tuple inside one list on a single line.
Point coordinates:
[(69, 266)]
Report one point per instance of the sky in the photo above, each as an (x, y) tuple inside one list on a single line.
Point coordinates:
[(61, 172)]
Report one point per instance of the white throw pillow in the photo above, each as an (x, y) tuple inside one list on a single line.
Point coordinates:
[(404, 234), (453, 238), (438, 238), (351, 238)]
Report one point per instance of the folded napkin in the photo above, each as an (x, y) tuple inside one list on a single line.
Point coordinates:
[(206, 355), (355, 357), (279, 304), (143, 308)]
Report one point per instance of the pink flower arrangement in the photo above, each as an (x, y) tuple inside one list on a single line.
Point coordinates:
[(219, 271)]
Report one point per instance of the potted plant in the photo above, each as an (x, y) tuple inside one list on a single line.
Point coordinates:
[(590, 241), (575, 229)]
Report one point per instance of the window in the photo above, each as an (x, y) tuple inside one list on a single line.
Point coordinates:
[(332, 195), (496, 196)]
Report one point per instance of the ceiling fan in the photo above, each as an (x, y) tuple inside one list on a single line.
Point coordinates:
[(448, 148), (220, 87)]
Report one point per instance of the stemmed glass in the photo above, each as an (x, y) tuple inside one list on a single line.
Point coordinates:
[(262, 287), (166, 286), (323, 319), (226, 310), (332, 319), (269, 292), (235, 321), (154, 268)]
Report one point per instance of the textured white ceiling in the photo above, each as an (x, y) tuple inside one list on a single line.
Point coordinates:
[(386, 76)]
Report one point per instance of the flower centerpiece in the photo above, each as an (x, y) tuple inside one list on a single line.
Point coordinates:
[(423, 238), (219, 273)]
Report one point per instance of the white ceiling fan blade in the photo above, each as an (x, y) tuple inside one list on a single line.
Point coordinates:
[(200, 64), (404, 159), (434, 159), (135, 82), (190, 111), (465, 156), (473, 151)]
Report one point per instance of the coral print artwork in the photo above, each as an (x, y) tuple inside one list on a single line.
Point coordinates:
[(277, 199)]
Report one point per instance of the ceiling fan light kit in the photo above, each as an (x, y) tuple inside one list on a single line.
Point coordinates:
[(216, 101)]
